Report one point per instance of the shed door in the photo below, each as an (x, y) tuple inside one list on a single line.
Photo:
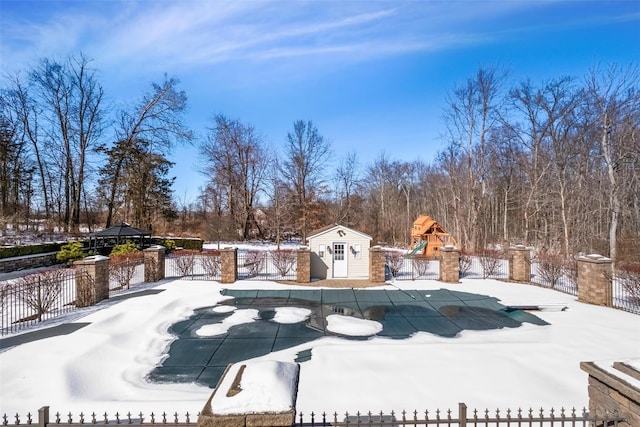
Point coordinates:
[(339, 259)]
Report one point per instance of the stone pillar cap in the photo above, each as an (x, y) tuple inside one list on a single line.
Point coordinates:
[(95, 258), (596, 257)]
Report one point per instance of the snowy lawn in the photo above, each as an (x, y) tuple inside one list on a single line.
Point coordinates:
[(102, 367)]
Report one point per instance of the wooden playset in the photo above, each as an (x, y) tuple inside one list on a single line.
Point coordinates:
[(427, 237)]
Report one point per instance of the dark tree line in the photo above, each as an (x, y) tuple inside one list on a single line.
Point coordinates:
[(552, 163)]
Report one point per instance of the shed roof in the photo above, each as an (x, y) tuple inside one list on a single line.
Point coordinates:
[(120, 229), (331, 227)]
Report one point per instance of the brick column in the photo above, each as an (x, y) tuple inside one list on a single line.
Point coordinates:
[(594, 280), (229, 265), (92, 280), (613, 387), (449, 264), (154, 263), (376, 264), (519, 264), (303, 273)]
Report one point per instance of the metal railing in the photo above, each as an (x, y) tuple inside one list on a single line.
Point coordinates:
[(193, 265), (125, 271), (490, 264), (625, 290), (411, 267), (508, 418), (267, 265), (554, 272), (34, 298), (464, 418)]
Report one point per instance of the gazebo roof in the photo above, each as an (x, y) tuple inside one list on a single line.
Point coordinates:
[(119, 230)]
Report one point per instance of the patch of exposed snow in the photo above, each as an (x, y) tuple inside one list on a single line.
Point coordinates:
[(290, 315), (238, 317), (352, 326)]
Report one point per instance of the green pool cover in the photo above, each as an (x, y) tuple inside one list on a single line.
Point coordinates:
[(192, 358)]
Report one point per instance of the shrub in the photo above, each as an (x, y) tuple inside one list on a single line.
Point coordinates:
[(185, 261), (254, 262), (284, 260), (124, 249), (211, 263), (40, 291), (464, 263), (394, 260), (628, 275), (15, 251), (420, 265), (169, 244), (551, 268), (70, 252), (122, 267), (489, 261)]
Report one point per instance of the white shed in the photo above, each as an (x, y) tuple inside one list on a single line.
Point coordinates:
[(339, 252)]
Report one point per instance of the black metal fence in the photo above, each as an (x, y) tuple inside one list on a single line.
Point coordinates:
[(464, 418), (484, 265), (626, 290), (125, 271), (267, 265), (411, 267), (34, 298), (193, 265)]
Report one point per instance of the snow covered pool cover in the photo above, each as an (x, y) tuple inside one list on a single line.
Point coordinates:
[(253, 323)]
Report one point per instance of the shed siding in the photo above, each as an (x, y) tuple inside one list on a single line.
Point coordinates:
[(357, 265)]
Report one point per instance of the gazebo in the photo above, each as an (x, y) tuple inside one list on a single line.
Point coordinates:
[(118, 234)]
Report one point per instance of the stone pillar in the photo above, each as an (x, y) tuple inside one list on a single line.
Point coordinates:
[(449, 264), (519, 264), (153, 263), (613, 387), (229, 265), (303, 273), (377, 262), (92, 280), (594, 280)]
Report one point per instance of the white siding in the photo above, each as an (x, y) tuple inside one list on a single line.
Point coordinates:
[(357, 263)]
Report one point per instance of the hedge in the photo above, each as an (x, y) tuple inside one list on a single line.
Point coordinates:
[(191, 244), (14, 251)]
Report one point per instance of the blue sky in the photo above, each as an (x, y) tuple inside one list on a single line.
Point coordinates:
[(372, 75)]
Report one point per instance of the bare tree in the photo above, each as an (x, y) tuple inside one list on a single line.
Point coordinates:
[(614, 100), (152, 127), (235, 156), (71, 97), (306, 155), (347, 177), (470, 115)]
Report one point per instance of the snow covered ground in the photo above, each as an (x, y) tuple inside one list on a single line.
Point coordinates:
[(102, 367)]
